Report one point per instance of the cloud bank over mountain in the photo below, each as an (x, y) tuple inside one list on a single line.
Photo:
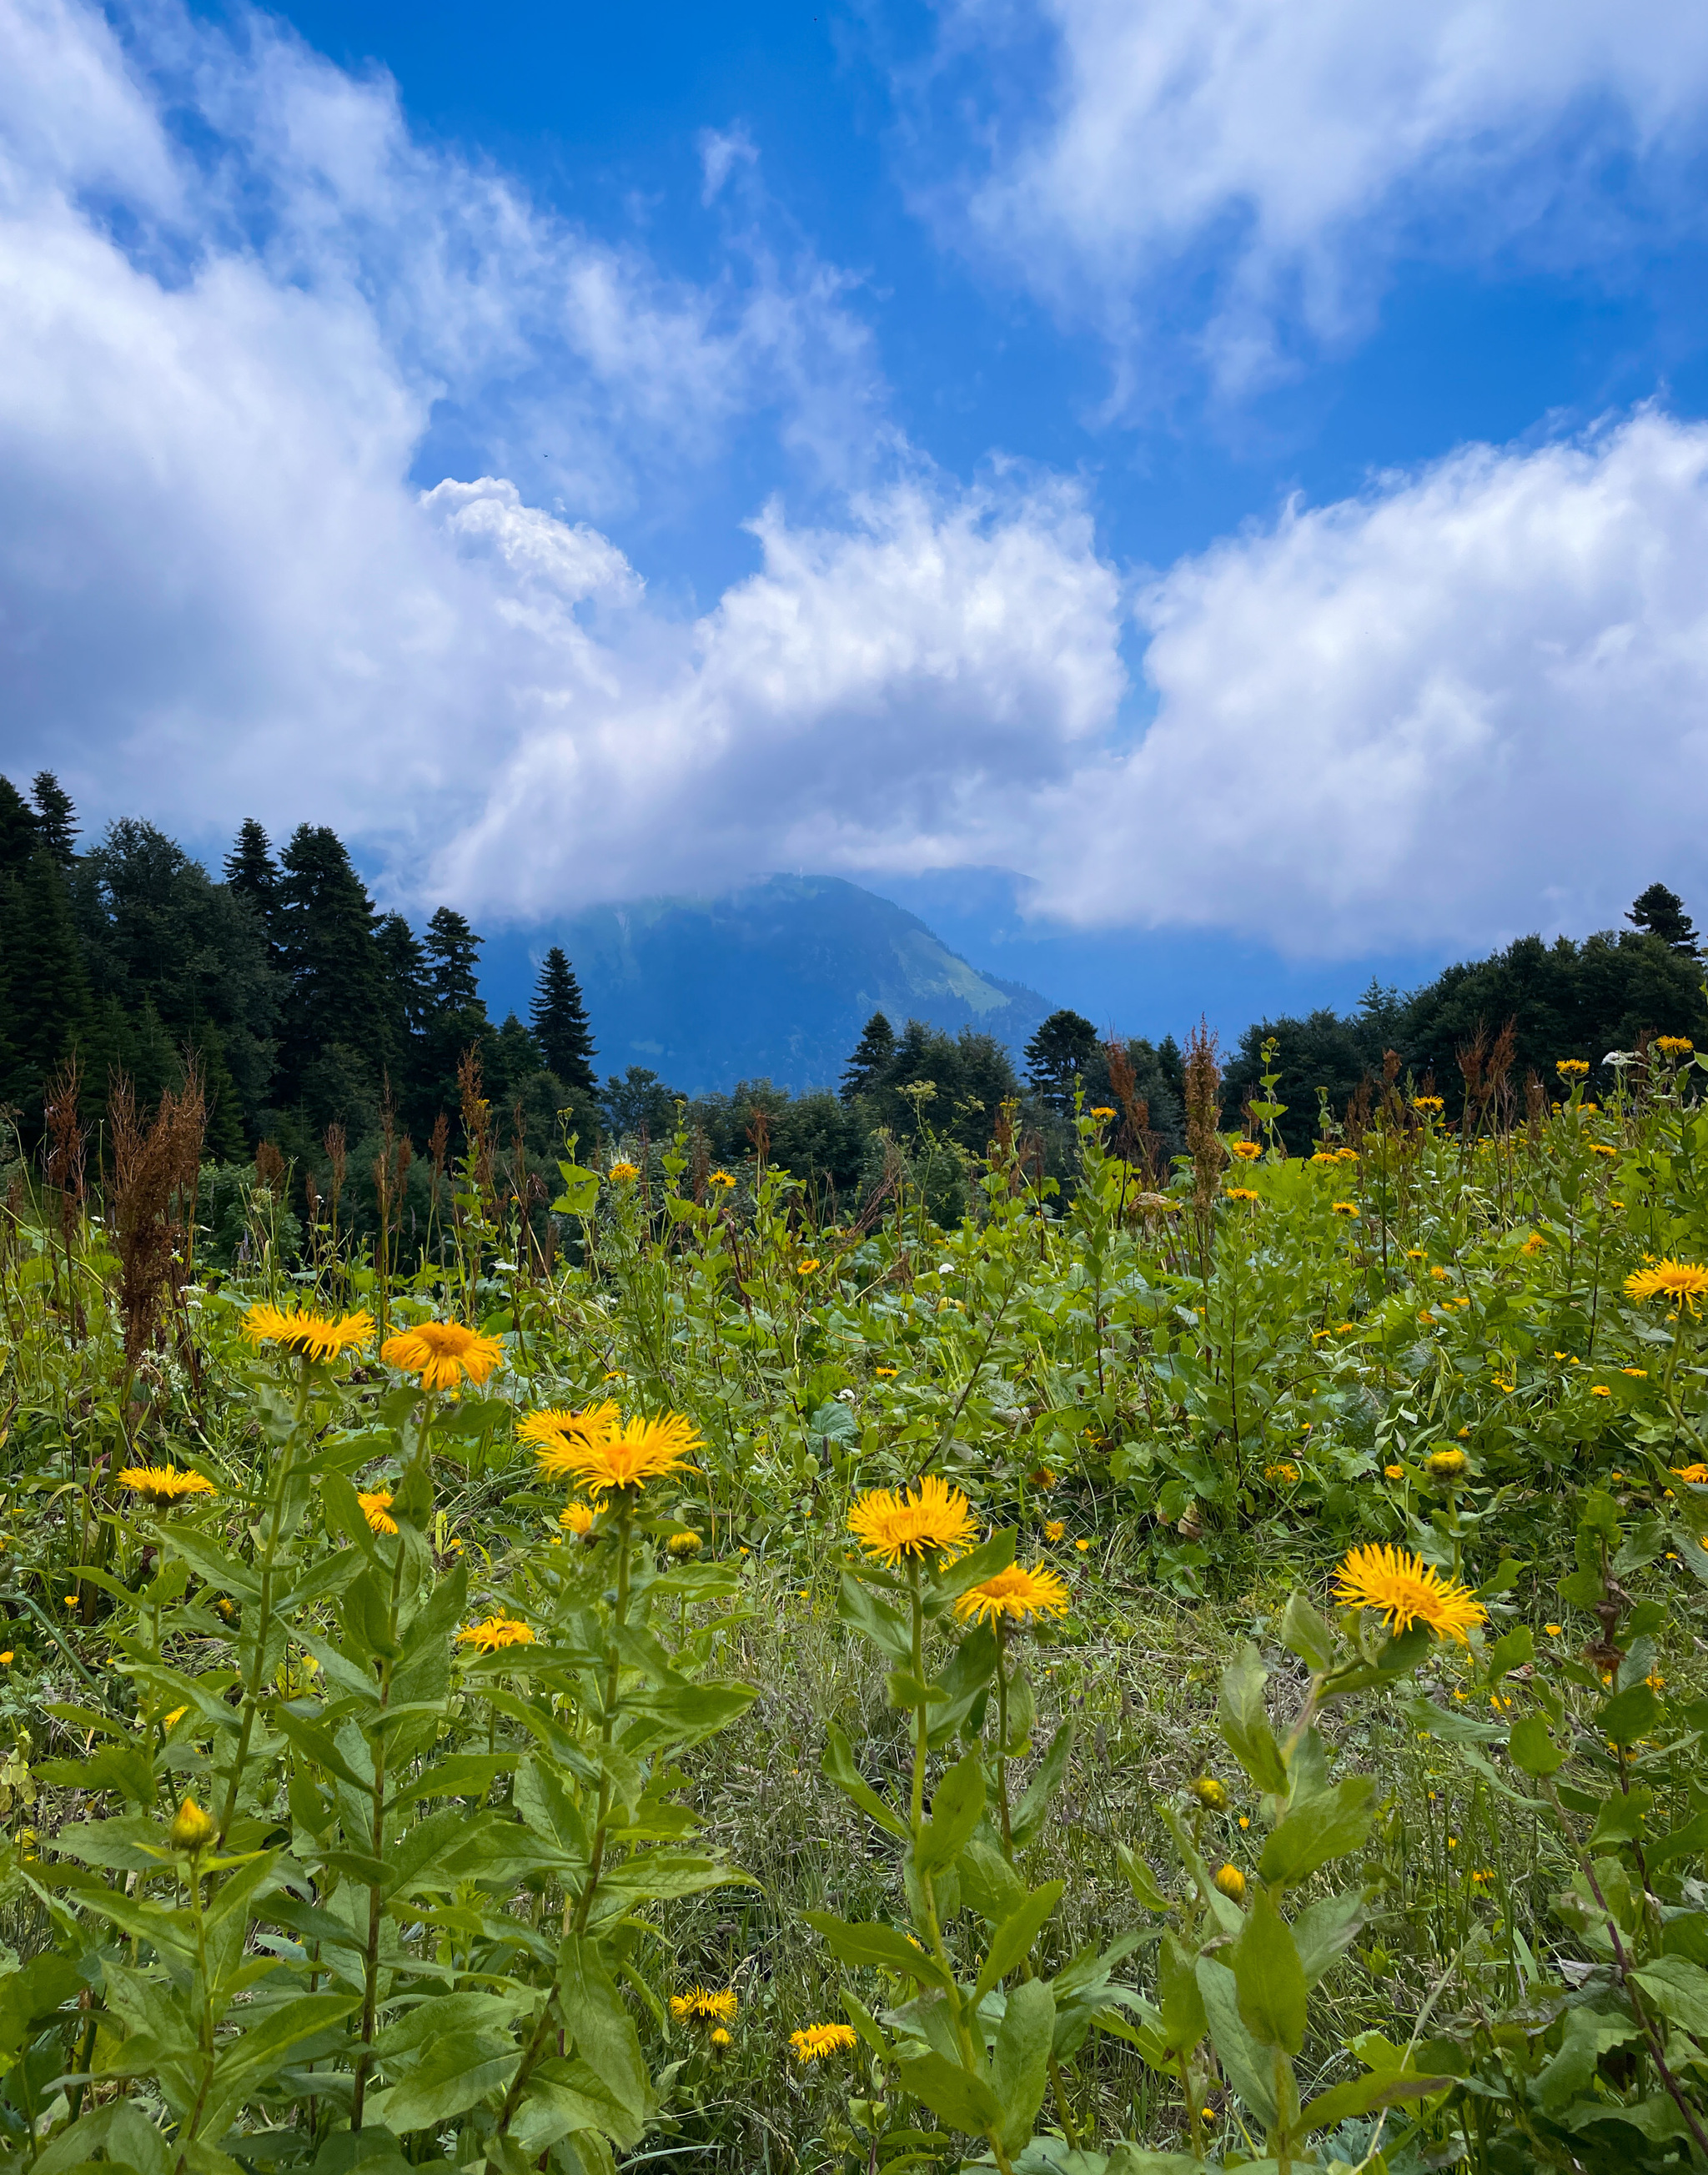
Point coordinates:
[(246, 315)]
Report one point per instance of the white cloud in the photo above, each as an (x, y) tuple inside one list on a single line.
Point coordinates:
[(1472, 702), (1270, 156)]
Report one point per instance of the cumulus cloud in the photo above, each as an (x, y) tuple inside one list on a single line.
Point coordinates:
[(1271, 158), (1472, 700)]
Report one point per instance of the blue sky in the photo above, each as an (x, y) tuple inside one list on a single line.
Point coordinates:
[(1236, 471)]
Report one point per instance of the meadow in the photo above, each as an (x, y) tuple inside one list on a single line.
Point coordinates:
[(1199, 1663)]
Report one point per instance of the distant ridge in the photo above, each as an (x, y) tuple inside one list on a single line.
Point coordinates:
[(774, 978)]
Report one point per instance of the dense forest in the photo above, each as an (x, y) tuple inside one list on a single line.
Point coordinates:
[(320, 1026)]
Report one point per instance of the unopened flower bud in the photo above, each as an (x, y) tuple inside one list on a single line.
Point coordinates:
[(193, 1829), (1447, 1464), (1232, 1883), (1209, 1792)]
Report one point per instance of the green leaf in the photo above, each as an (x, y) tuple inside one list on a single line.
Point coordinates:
[(1179, 1998), (988, 1884), (1533, 1751), (1361, 2096), (957, 1806), (456, 2072), (1019, 2059), (875, 1619), (603, 2032), (1141, 1880), (1029, 1816), (838, 1767), (1512, 1651), (1327, 1930), (1269, 1978), (1319, 1830), (1679, 1990), (1245, 1722), (1012, 1941), (1306, 1632), (972, 1569), (1620, 1819), (965, 2101), (1247, 2067), (1629, 1714), (463, 1775), (876, 1948)]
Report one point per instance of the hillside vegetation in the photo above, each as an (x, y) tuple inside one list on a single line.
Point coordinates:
[(1198, 1665)]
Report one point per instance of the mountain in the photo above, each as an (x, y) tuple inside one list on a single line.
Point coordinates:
[(774, 979)]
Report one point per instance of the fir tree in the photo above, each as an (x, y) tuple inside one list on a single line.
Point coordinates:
[(19, 832), (252, 873), (46, 994), (454, 952), (55, 817), (326, 943), (1661, 913), (560, 1024), (873, 1055), (1063, 1050)]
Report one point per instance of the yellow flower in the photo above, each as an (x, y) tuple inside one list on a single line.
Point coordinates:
[(1325, 1155), (806, 1268), (1241, 1193), (621, 1174), (821, 2039), (176, 1715), (8, 1658), (1446, 1464), (1082, 1546), (1596, 1148), (1102, 1111), (701, 2004), (560, 1437), (720, 1178), (495, 1632), (1247, 1151), (1572, 1068), (1395, 1472), (1285, 1473), (721, 2039), (1674, 1045), (1406, 1590), (1231, 1881), (163, 1485), (935, 1517), (1682, 1283), (1693, 1476), (1598, 1391), (887, 1373), (577, 1519), (684, 1544), (1641, 1373), (1554, 1630), (1054, 1529), (1020, 1594), (641, 1449), (192, 1829), (1344, 1207), (1431, 1105), (376, 1509), (313, 1336), (442, 1353), (1345, 1155), (1534, 1245), (1209, 1793), (1344, 1328)]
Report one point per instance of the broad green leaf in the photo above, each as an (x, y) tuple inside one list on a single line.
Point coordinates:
[(1533, 1751), (1679, 1990), (957, 1806), (1306, 1632), (1512, 1651), (1245, 1722), (1178, 1997), (1141, 1880), (965, 2101), (1019, 2059), (1363, 2095), (603, 2032), (1327, 1930), (875, 1619), (1247, 2066), (1321, 1829), (877, 1947), (1029, 1816), (838, 1767), (1011, 1943), (1629, 1714), (456, 2072), (973, 1569), (1269, 1978)]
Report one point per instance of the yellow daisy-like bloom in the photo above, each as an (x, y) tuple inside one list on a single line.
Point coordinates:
[(442, 1353), (1534, 1245), (1241, 1193), (1674, 1045), (1247, 1151), (1449, 1464), (1286, 1473), (887, 1373), (163, 1485), (628, 1457), (577, 1519), (1395, 1472), (1020, 1594), (819, 2040), (311, 1336), (1693, 1476), (623, 1173), (1596, 1148), (1101, 1110), (1572, 1068), (1344, 1207), (704, 2004), (1056, 1529), (559, 1436), (683, 1545), (1431, 1105), (1404, 1590), (376, 1509), (1325, 1155), (806, 1268), (935, 1517), (1599, 1391), (719, 1178), (495, 1633), (1345, 1155), (1682, 1283)]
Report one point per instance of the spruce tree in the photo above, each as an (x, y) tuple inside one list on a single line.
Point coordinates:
[(873, 1055), (1063, 1050), (454, 950), (19, 830), (252, 873), (46, 995), (55, 817), (1661, 913), (326, 943), (560, 1022)]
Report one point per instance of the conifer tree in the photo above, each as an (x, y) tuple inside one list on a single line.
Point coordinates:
[(55, 817), (559, 1023), (326, 943), (454, 952), (18, 832), (873, 1055), (1064, 1049), (252, 873), (1661, 913)]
